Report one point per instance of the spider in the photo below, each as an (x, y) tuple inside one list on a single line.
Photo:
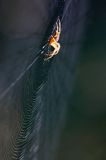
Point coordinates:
[(54, 45)]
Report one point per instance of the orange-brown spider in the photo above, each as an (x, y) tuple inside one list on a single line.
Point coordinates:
[(54, 45)]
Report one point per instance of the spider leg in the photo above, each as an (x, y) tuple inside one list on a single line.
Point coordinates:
[(59, 26)]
